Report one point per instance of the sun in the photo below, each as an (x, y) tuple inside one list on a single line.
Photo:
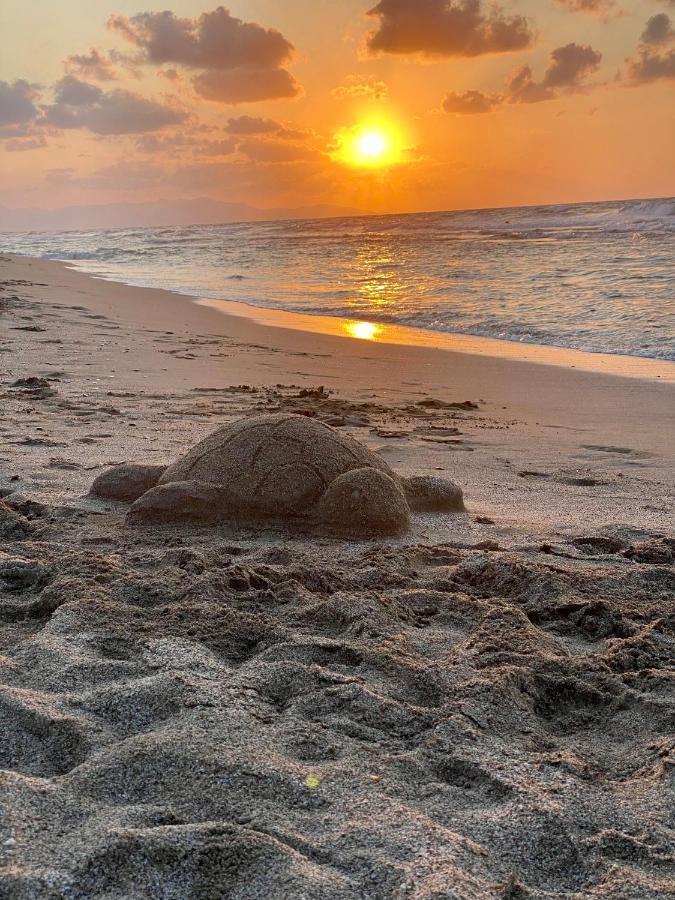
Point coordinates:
[(369, 145), (372, 145)]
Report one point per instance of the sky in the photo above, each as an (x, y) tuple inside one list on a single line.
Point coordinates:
[(278, 103)]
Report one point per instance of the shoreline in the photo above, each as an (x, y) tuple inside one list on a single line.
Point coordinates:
[(454, 342), (411, 336), (560, 423)]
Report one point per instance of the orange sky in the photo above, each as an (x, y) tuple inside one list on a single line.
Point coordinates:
[(544, 101)]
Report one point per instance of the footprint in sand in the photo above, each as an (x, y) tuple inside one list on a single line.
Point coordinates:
[(623, 455)]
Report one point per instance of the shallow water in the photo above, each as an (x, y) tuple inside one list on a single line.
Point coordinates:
[(598, 277)]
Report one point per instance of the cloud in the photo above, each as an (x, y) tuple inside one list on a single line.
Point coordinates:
[(658, 30), (648, 66), (569, 67), (523, 88), (70, 91), (295, 134), (172, 75), (17, 102), (595, 7), (270, 151), (653, 61), (359, 86), (245, 85), (252, 125), (91, 65), (240, 61), (441, 28), (567, 71), (470, 103), (78, 104), (192, 144), (214, 40)]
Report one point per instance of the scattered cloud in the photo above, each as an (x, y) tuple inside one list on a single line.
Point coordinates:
[(295, 134), (78, 104), (470, 103), (360, 86), (567, 71), (256, 139), (172, 75), (235, 86), (252, 125), (658, 30), (569, 67), (443, 28), (194, 145), (272, 151), (647, 67), (239, 61), (17, 102), (654, 61), (93, 64), (602, 8)]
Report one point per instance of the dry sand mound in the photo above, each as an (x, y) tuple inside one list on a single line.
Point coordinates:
[(184, 715)]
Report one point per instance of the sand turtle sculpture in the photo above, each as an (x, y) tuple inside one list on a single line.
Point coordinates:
[(278, 467)]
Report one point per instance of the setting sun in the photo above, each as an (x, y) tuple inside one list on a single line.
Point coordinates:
[(373, 145)]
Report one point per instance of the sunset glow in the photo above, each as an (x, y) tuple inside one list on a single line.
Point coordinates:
[(396, 106)]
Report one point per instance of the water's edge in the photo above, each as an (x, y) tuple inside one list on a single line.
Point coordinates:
[(596, 278), (615, 364)]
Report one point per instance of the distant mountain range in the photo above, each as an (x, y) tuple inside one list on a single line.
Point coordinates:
[(199, 211)]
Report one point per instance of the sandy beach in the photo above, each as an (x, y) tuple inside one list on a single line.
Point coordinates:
[(482, 707)]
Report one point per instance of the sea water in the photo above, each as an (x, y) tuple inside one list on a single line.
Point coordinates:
[(598, 277)]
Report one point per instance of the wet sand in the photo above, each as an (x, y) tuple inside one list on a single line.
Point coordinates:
[(482, 707)]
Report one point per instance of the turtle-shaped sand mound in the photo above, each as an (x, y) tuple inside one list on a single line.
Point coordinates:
[(279, 467)]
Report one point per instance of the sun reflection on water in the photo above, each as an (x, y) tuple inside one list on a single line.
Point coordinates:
[(379, 275), (364, 331)]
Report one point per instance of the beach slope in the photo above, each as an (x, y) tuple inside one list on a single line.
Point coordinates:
[(482, 707)]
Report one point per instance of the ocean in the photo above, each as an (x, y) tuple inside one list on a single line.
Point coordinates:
[(598, 277)]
